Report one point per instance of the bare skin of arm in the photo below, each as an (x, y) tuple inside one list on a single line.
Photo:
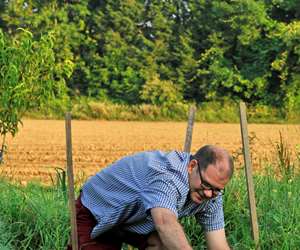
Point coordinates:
[(216, 240), (170, 234)]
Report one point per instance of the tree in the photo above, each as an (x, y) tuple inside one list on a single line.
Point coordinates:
[(207, 50), (66, 21), (29, 78), (287, 65), (285, 11), (235, 48)]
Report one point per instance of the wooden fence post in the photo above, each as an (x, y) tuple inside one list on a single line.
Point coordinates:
[(248, 171), (189, 130), (71, 182)]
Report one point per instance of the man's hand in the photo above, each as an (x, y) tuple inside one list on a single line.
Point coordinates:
[(216, 240), (170, 233)]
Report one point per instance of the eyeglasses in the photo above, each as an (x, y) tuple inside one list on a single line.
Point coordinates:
[(207, 186)]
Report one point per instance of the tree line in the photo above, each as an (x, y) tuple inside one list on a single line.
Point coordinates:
[(162, 52)]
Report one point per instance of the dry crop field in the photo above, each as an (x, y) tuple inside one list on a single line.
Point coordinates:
[(39, 147)]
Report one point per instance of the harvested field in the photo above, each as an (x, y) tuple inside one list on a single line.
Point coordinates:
[(39, 147)]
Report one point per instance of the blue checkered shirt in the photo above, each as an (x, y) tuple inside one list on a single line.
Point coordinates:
[(123, 193)]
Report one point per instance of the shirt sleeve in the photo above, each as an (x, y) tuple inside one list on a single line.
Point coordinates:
[(160, 191), (212, 217)]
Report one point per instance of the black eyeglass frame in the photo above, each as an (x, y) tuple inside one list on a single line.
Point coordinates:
[(207, 186)]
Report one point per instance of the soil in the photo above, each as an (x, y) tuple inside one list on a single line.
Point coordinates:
[(39, 147)]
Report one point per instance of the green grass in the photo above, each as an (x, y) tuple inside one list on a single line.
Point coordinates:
[(32, 217), (277, 210), (36, 217), (222, 111)]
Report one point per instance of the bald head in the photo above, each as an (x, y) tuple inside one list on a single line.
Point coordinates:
[(216, 156)]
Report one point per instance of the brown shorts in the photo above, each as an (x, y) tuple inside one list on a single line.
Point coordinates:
[(110, 240)]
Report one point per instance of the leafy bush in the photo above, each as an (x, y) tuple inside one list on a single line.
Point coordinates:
[(29, 77), (158, 92)]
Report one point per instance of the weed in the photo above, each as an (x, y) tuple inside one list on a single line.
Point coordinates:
[(284, 164)]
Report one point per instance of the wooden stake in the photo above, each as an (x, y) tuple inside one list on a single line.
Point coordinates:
[(248, 170), (189, 130), (71, 182)]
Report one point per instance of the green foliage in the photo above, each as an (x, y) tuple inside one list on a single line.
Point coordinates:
[(234, 61), (277, 220), (266, 114), (5, 241), (159, 92), (284, 11), (287, 64), (66, 22), (284, 163), (29, 77), (90, 109), (202, 50), (222, 111), (217, 111), (35, 217)]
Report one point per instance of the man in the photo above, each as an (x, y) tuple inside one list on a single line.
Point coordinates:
[(139, 199)]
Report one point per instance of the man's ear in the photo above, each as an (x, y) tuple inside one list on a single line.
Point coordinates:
[(192, 164)]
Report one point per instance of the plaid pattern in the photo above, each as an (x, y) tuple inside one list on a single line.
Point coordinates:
[(124, 192)]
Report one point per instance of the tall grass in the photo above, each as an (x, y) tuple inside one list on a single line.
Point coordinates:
[(36, 217), (277, 210), (32, 217), (217, 111)]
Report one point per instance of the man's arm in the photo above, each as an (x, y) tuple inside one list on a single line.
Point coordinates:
[(169, 229), (216, 240)]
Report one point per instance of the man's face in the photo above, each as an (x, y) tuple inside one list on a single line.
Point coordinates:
[(205, 184)]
